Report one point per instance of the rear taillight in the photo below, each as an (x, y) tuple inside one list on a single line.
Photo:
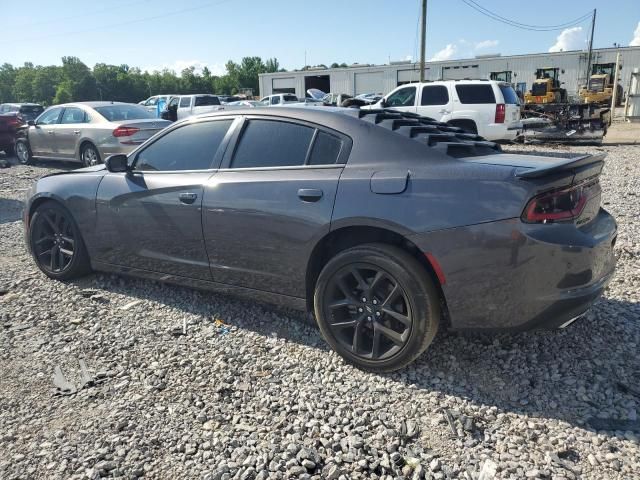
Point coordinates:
[(500, 112), (14, 122), (123, 131), (560, 205)]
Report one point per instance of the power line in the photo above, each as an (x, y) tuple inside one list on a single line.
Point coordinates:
[(129, 22), (539, 28)]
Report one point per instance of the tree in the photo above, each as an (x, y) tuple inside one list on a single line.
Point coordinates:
[(79, 80), (7, 81), (23, 83), (63, 93)]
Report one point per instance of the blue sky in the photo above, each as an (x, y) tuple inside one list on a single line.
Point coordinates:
[(153, 34)]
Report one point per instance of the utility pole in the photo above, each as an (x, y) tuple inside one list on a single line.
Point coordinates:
[(593, 25), (423, 39), (614, 95)]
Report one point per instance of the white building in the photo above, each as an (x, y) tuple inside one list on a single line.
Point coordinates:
[(384, 78)]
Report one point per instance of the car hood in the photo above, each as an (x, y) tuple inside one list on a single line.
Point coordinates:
[(99, 169)]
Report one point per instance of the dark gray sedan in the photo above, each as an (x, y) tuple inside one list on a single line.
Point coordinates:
[(386, 225)]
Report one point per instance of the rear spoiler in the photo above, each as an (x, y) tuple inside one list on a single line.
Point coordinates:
[(583, 162)]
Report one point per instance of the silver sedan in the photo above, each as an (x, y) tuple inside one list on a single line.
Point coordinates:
[(87, 132)]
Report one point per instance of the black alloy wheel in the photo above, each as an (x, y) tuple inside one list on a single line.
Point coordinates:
[(370, 313), (376, 306), (56, 244)]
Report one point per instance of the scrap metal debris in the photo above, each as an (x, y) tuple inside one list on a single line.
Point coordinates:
[(66, 387)]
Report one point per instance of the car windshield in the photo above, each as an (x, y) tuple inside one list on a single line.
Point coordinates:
[(114, 113)]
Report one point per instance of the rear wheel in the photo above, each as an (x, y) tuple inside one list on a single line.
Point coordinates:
[(376, 306), (56, 243), (89, 155), (23, 152)]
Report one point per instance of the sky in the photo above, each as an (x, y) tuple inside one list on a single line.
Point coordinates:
[(156, 34)]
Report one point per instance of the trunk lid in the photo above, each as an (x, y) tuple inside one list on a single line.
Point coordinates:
[(146, 129)]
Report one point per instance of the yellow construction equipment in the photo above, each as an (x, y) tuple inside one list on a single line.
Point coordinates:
[(546, 88), (600, 87)]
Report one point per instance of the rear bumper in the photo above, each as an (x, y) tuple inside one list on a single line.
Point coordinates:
[(499, 131), (509, 275)]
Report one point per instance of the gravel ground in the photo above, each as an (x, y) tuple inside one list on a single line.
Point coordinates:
[(189, 384)]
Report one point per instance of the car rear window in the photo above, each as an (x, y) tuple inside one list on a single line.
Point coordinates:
[(509, 95), (290, 98), (206, 101), (115, 113), (31, 110), (270, 143), (475, 94)]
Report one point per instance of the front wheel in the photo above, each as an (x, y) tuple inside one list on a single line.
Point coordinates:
[(56, 244), (23, 152), (377, 307)]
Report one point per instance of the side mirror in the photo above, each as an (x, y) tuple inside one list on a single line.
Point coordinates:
[(117, 163), (31, 123), (383, 103)]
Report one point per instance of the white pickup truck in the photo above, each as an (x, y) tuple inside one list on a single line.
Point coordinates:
[(486, 107), (187, 105)]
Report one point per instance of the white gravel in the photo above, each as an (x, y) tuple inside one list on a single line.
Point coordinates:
[(252, 392)]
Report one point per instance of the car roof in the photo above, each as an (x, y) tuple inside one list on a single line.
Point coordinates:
[(93, 104)]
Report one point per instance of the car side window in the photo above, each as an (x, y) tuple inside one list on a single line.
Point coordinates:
[(475, 94), (405, 97), (185, 102), (151, 102), (174, 102), (270, 143), (275, 100), (49, 117), (190, 147), (434, 95), (326, 149), (73, 115)]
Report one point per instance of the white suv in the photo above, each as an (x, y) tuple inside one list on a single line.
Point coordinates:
[(486, 107)]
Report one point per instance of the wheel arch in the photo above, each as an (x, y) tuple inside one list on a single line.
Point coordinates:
[(81, 144), (348, 236), (461, 122)]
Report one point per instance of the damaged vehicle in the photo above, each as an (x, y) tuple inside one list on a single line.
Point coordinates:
[(386, 225), (13, 117)]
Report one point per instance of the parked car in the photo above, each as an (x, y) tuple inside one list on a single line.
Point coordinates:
[(185, 106), (229, 98), (335, 99), (486, 107), (386, 225), (279, 99), (244, 103), (12, 117), (87, 132)]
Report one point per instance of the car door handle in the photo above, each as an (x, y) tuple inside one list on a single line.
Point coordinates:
[(50, 132), (444, 111), (188, 198), (76, 132), (310, 194)]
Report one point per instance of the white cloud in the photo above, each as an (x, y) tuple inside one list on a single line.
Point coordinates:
[(635, 42), (569, 39), (179, 65), (486, 44), (446, 53)]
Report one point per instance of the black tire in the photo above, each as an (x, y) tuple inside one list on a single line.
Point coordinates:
[(53, 233), (469, 126), (89, 155), (10, 150), (419, 307), (23, 151)]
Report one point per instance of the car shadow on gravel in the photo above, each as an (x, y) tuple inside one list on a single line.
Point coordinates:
[(10, 210), (569, 375), (52, 164)]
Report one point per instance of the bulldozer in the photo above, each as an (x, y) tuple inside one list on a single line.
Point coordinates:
[(599, 89), (546, 88)]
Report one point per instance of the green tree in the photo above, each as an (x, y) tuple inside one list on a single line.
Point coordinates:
[(23, 83), (7, 81), (44, 83), (80, 82), (63, 93)]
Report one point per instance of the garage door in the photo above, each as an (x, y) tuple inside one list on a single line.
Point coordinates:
[(408, 76), (459, 72), (284, 85), (369, 82)]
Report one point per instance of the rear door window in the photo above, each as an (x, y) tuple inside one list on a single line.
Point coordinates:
[(326, 149), (190, 147), (434, 95), (270, 143), (73, 115), (475, 94), (185, 102), (509, 94)]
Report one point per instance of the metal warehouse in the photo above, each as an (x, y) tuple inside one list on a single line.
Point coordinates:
[(517, 69)]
